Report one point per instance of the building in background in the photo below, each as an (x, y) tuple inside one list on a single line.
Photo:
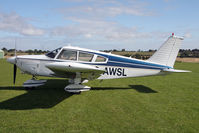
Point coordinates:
[(1, 54)]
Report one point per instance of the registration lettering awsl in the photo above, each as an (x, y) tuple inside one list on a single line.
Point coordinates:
[(115, 71)]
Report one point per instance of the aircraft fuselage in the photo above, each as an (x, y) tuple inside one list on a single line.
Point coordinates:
[(114, 66)]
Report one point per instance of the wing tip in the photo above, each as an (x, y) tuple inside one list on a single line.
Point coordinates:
[(176, 70)]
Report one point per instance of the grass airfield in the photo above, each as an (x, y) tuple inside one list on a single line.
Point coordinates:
[(145, 104)]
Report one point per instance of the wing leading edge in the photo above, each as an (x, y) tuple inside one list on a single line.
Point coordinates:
[(73, 67)]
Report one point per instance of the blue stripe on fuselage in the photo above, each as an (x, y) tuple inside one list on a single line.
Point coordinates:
[(114, 60), (125, 62)]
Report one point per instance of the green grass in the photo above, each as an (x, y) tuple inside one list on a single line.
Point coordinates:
[(147, 104)]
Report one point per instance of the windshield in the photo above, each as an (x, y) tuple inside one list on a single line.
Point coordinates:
[(53, 53)]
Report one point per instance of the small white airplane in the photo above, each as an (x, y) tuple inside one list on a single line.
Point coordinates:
[(80, 65)]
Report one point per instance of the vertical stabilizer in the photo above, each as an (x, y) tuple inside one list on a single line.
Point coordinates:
[(167, 53)]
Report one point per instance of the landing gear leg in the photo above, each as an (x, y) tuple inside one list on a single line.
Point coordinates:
[(76, 86), (34, 77)]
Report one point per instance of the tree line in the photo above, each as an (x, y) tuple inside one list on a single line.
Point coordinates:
[(30, 51), (139, 54)]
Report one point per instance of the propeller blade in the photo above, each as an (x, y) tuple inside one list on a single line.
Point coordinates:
[(15, 72)]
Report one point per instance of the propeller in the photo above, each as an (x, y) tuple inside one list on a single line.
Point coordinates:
[(15, 73), (15, 62)]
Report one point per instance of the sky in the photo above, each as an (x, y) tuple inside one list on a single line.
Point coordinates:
[(97, 24)]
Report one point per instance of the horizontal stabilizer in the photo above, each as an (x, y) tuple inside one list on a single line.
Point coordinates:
[(175, 70)]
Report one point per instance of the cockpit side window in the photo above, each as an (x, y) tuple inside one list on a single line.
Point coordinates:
[(85, 56), (67, 55), (100, 59), (53, 53)]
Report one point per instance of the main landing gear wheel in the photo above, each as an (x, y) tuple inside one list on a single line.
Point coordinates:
[(76, 87)]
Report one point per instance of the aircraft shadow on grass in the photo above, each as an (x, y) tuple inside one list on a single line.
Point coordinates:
[(138, 88), (49, 95), (46, 96)]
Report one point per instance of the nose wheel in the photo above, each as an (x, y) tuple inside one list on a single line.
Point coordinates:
[(33, 83)]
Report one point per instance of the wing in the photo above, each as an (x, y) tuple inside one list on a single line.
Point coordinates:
[(70, 68)]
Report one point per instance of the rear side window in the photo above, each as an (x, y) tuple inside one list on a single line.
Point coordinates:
[(100, 59), (85, 57), (67, 55)]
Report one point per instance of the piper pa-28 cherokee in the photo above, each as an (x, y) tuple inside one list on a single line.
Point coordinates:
[(79, 64)]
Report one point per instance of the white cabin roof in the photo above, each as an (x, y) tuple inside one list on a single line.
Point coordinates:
[(83, 49)]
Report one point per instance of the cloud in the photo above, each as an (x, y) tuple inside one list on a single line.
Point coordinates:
[(188, 35), (96, 19), (12, 22), (97, 29), (167, 1), (103, 12), (106, 8), (29, 42)]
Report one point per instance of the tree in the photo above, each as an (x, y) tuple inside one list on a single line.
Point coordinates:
[(114, 50), (4, 49), (29, 51), (11, 50), (137, 56)]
